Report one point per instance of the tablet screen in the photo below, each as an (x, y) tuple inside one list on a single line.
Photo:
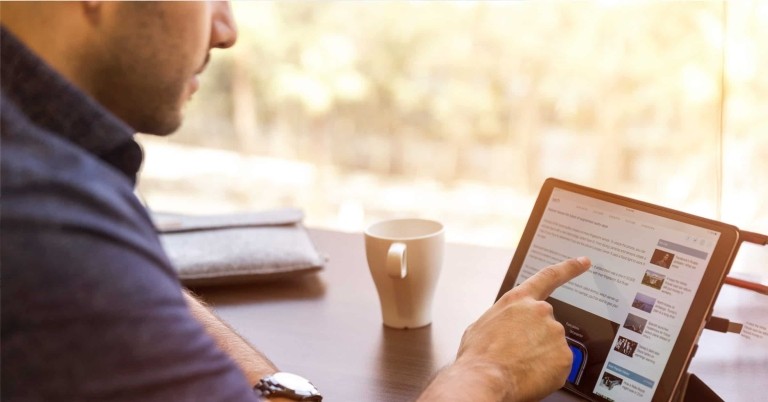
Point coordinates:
[(623, 318)]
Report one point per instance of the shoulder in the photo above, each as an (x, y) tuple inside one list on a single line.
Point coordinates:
[(48, 181)]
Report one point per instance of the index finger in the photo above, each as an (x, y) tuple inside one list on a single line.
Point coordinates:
[(543, 283)]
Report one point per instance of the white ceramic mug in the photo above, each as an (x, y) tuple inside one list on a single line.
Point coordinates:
[(405, 257)]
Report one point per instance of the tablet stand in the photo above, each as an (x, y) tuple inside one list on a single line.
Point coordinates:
[(694, 390)]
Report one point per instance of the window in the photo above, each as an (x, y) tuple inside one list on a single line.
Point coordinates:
[(358, 111)]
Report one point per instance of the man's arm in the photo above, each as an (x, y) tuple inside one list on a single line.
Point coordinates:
[(253, 363), (516, 351)]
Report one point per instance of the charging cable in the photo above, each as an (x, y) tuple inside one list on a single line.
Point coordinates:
[(720, 324)]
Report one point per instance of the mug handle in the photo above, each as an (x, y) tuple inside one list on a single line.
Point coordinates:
[(396, 266)]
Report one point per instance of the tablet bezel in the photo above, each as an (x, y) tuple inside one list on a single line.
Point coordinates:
[(706, 294)]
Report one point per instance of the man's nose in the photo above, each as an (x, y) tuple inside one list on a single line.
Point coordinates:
[(223, 28)]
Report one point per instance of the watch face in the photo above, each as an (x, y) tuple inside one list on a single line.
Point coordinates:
[(298, 384)]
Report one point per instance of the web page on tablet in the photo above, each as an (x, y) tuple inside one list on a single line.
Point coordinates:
[(627, 311)]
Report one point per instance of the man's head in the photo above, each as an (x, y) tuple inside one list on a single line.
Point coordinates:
[(138, 59)]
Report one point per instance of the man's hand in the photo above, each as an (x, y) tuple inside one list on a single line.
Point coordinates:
[(516, 351)]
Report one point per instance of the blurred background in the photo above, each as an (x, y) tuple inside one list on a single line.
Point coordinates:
[(457, 111)]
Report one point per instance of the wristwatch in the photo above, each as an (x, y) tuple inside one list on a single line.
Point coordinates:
[(287, 385)]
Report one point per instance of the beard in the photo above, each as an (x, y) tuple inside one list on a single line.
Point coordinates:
[(145, 96), (142, 71)]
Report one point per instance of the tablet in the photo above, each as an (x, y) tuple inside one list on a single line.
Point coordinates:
[(632, 321)]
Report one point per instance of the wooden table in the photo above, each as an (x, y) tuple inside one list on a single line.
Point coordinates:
[(327, 326)]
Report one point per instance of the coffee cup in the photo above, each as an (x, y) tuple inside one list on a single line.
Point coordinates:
[(405, 257)]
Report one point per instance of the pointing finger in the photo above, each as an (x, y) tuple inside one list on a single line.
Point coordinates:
[(544, 282)]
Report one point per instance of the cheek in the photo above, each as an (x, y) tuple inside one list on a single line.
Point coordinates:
[(192, 26), (147, 75)]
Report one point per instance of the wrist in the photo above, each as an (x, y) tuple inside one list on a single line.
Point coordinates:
[(472, 379), (488, 376)]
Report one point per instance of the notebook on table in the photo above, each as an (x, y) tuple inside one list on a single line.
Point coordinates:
[(238, 248), (633, 320)]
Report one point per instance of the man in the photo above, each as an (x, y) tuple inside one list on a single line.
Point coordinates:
[(91, 307)]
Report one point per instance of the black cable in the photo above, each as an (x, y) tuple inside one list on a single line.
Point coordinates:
[(720, 324)]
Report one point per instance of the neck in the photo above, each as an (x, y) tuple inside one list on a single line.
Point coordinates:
[(54, 31)]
